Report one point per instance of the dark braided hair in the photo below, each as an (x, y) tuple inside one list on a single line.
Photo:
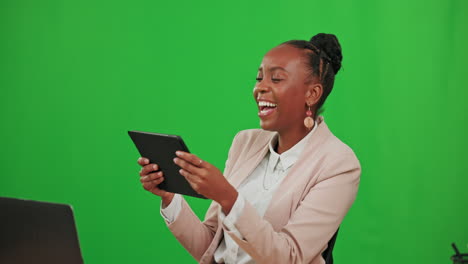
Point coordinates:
[(324, 61)]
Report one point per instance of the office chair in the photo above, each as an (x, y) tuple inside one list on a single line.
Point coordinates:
[(327, 254)]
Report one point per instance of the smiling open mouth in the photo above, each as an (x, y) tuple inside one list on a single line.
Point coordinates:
[(266, 108)]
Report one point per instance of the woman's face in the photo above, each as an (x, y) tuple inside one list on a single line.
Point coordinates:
[(280, 91)]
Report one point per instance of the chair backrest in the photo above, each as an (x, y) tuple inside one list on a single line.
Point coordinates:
[(327, 254)]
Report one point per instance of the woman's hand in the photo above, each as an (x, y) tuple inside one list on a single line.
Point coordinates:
[(206, 180), (150, 178)]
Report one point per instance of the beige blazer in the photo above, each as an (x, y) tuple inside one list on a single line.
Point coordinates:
[(304, 213)]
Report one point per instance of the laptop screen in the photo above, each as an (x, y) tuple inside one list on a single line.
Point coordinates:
[(37, 232)]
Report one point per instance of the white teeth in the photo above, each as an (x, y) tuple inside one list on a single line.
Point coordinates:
[(268, 104)]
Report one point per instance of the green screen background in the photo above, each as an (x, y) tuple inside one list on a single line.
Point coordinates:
[(75, 76)]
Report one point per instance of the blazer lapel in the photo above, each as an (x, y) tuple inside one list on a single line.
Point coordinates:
[(254, 157), (312, 146), (260, 149), (249, 164)]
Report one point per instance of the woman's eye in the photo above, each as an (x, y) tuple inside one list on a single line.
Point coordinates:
[(273, 79)]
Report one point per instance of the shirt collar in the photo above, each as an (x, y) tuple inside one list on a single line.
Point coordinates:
[(289, 157)]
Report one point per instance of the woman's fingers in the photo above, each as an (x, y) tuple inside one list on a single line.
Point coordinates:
[(192, 158), (190, 177), (142, 161), (151, 176), (148, 168), (187, 166), (193, 180), (151, 185)]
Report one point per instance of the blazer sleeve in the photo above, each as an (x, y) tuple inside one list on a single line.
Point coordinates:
[(311, 225), (194, 235)]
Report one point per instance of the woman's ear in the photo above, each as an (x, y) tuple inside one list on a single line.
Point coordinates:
[(313, 94)]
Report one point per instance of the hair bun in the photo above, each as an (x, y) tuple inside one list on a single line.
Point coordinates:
[(329, 44)]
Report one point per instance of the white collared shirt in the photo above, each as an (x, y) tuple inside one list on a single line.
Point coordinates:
[(257, 189)]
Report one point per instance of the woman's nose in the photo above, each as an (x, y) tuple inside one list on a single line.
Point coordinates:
[(260, 88)]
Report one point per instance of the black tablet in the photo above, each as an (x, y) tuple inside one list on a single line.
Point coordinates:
[(160, 149)]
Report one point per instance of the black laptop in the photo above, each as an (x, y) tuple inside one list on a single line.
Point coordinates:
[(37, 232)]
